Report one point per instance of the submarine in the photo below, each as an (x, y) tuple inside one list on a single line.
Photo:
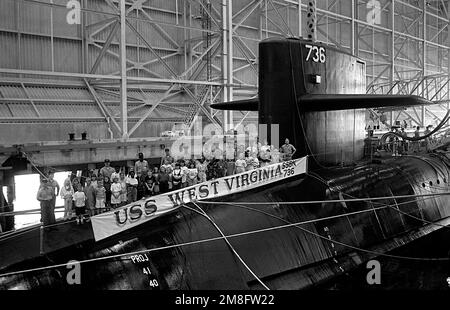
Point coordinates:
[(296, 232)]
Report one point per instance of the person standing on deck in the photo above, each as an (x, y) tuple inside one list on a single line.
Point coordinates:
[(155, 177), (184, 173), (428, 139), (100, 196), (80, 205), (192, 175), (89, 192), (167, 157), (107, 170), (201, 168), (288, 150), (55, 187), (240, 164), (123, 185), (416, 144), (140, 166), (164, 179), (94, 181), (116, 190), (67, 194), (115, 174), (107, 186), (177, 175), (132, 184), (141, 186), (45, 197)]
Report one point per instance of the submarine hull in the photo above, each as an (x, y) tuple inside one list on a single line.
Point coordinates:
[(184, 250)]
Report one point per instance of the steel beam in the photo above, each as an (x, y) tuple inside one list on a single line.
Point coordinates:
[(123, 72)]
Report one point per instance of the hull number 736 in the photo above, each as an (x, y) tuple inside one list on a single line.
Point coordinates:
[(317, 54)]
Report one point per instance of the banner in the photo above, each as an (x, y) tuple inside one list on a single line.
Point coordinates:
[(139, 212)]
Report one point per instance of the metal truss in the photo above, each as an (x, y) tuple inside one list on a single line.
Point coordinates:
[(433, 87), (142, 60)]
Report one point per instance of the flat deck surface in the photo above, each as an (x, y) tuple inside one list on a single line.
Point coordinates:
[(27, 243)]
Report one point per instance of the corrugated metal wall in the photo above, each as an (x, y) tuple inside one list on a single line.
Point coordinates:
[(37, 37)]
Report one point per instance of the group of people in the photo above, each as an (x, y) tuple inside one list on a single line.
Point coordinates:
[(398, 145), (111, 187)]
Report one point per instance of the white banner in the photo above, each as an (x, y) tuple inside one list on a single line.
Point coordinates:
[(131, 215)]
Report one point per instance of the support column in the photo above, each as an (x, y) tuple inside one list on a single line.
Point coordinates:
[(448, 55), (352, 43), (8, 206), (187, 20), (2, 204), (123, 72), (85, 42), (300, 25), (393, 42), (424, 57), (227, 60), (312, 20)]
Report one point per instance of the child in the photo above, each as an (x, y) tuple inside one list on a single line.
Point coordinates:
[(184, 173), (75, 183), (201, 168), (107, 185), (240, 164), (123, 193), (67, 195), (155, 179), (94, 181), (148, 186), (177, 175), (255, 160), (163, 180), (275, 158), (167, 166), (132, 184), (115, 174), (100, 195), (251, 161), (192, 174), (80, 205), (141, 186), (116, 190), (264, 156)]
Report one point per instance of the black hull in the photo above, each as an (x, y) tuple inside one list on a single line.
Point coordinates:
[(293, 257)]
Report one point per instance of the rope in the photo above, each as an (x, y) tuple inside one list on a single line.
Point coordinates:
[(203, 213), (15, 235), (410, 215), (223, 238), (274, 228), (326, 201), (390, 206), (34, 163), (344, 244), (31, 162)]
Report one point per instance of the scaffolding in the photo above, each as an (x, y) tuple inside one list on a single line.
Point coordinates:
[(129, 64)]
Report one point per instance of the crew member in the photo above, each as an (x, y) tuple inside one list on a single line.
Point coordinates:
[(287, 150), (428, 139), (167, 158), (107, 170), (416, 144), (45, 197), (141, 166)]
